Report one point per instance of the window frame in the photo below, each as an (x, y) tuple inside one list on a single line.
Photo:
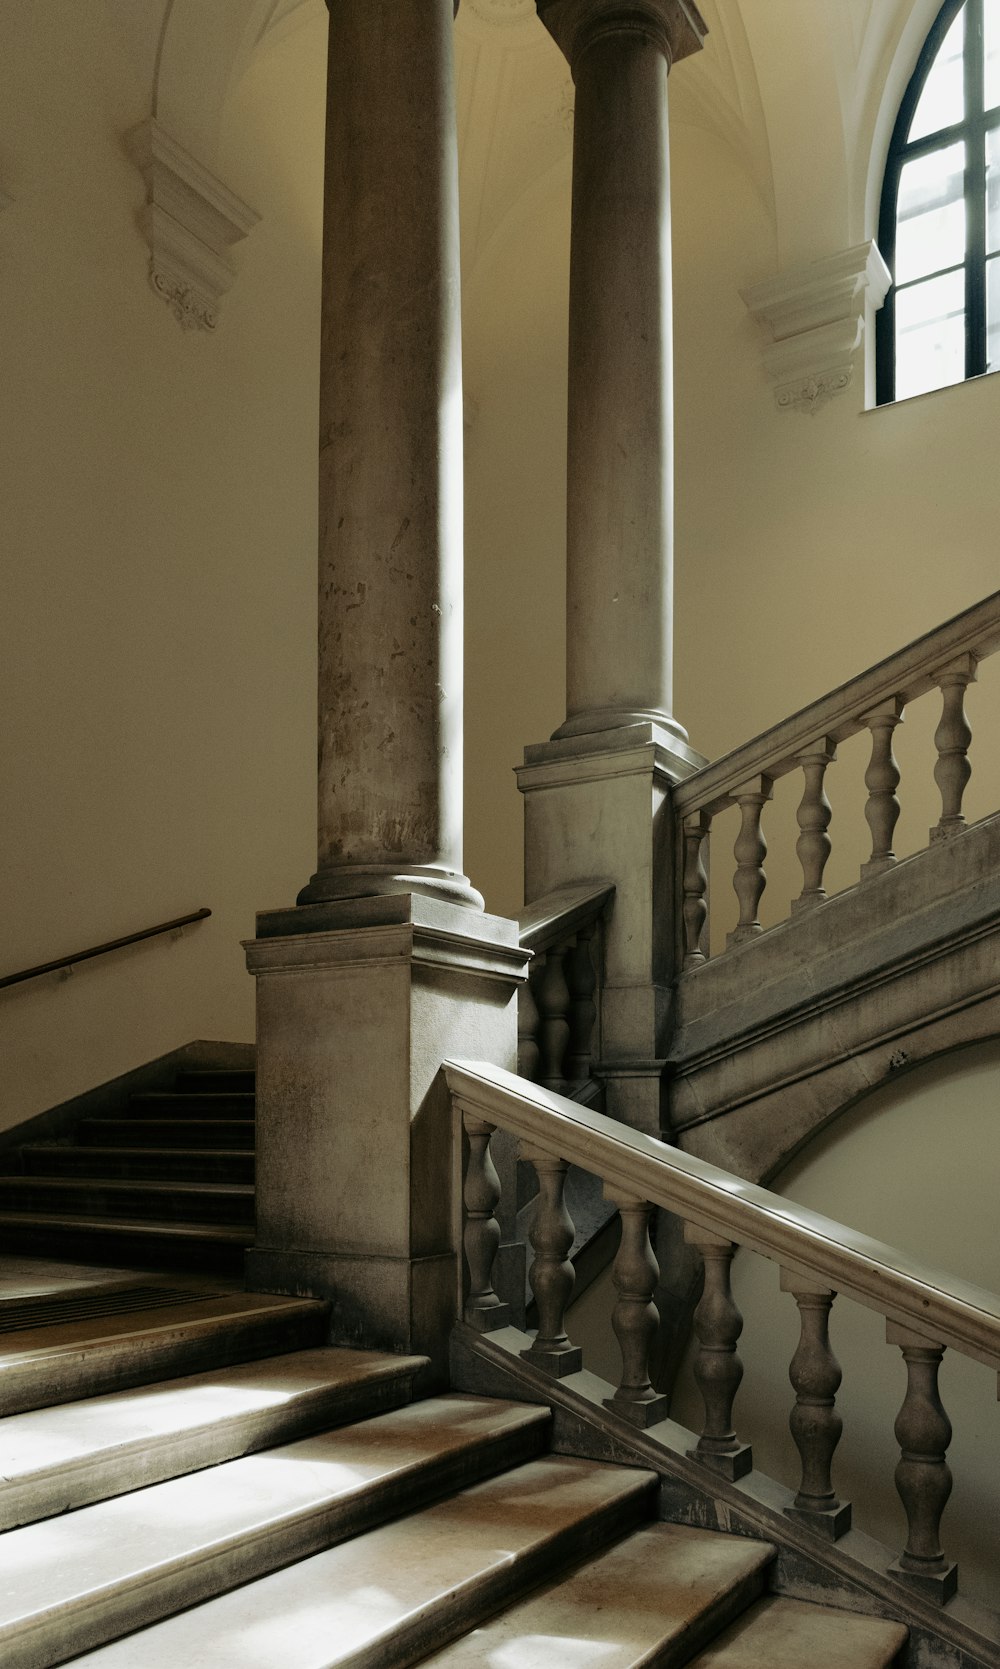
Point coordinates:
[(971, 131)]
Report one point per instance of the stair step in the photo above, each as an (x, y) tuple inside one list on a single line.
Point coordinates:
[(788, 1634), (88, 1576), (209, 1080), (55, 1460), (53, 1364), (655, 1598), (194, 1245), (140, 1163), (93, 1197), (166, 1132), (180, 1104), (389, 1597)]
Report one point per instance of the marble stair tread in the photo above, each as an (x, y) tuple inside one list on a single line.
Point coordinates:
[(388, 1598), (137, 1226), (53, 1460), (654, 1598), (166, 1132), (89, 1575), (53, 1364), (43, 1160), (791, 1634)]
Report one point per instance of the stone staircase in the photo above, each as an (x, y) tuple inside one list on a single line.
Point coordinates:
[(257, 1497), (165, 1182)]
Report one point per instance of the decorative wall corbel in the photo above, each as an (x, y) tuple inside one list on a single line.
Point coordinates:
[(816, 318), (191, 222)]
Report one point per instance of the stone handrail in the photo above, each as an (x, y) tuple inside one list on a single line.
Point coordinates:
[(558, 1006), (926, 1312), (946, 659)]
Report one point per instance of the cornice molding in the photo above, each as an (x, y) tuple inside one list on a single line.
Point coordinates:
[(191, 221), (816, 318), (675, 26)]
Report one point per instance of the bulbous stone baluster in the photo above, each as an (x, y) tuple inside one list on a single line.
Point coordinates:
[(717, 1368), (581, 979), (923, 1477), (552, 997), (551, 1274), (750, 851), (635, 1317), (528, 1054), (815, 1424), (696, 829), (881, 781), (951, 738), (813, 816), (481, 1237)]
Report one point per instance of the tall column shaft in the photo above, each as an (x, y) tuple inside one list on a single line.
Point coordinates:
[(619, 560), (390, 533)]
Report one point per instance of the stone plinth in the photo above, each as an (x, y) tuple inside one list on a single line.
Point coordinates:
[(598, 808), (357, 1004)]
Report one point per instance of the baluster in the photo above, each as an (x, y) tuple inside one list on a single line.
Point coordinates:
[(815, 1424), (635, 1318), (923, 1477), (813, 816), (581, 980), (528, 1053), (750, 851), (951, 738), (881, 781), (552, 997), (717, 1368), (481, 1236), (551, 1274), (696, 828)]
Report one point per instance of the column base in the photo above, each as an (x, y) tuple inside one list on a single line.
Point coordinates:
[(384, 880), (402, 1304)]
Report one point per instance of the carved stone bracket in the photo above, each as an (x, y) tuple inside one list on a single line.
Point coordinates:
[(816, 318), (190, 221)]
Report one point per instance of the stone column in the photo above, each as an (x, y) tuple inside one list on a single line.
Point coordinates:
[(597, 796), (390, 532), (619, 559), (382, 969)]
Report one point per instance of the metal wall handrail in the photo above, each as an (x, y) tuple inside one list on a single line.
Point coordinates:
[(101, 950)]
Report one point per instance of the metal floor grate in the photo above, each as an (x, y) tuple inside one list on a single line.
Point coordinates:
[(19, 1315)]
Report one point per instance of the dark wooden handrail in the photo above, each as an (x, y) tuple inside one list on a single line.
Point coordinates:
[(99, 950)]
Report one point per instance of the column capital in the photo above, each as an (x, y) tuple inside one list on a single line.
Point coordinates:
[(675, 26)]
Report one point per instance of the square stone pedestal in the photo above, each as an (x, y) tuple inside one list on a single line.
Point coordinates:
[(358, 1002), (597, 808)]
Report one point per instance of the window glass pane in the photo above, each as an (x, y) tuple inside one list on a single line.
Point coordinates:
[(993, 189), (930, 226), (930, 334), (942, 101), (991, 29), (993, 315)]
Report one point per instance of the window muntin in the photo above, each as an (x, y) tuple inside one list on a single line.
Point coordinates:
[(939, 228)]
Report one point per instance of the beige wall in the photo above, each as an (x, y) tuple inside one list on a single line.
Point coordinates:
[(158, 512), (157, 658), (897, 1167)]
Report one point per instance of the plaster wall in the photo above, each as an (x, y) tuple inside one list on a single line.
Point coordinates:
[(158, 602), (895, 1166), (158, 493)]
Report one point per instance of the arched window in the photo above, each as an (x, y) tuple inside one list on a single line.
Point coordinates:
[(939, 227)]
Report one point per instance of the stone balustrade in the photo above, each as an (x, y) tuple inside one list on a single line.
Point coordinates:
[(558, 1025), (945, 660), (817, 1259)]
